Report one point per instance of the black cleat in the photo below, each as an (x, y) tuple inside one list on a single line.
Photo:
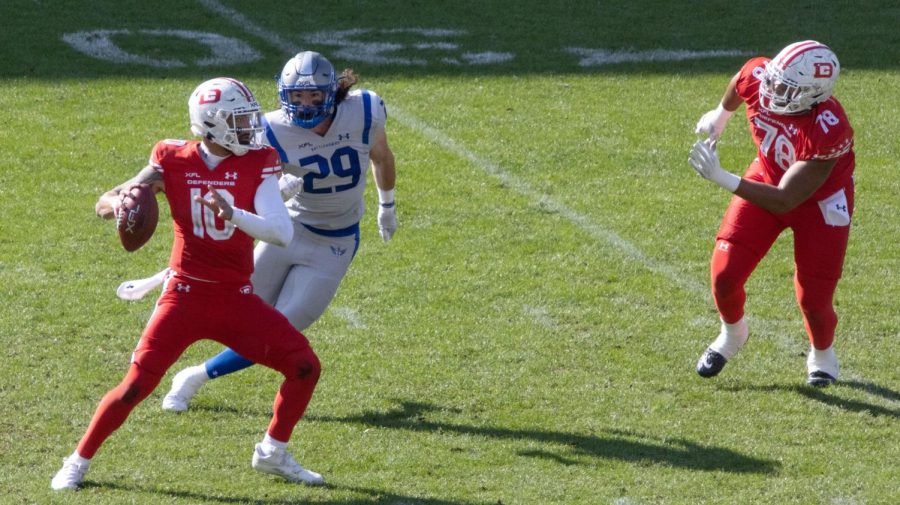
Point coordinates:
[(710, 364), (820, 379)]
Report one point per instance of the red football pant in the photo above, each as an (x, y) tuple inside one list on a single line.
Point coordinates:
[(746, 235), (191, 310)]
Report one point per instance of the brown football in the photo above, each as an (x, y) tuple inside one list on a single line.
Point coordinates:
[(137, 217)]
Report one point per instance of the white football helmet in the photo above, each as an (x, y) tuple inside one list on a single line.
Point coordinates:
[(307, 71), (800, 76), (224, 111)]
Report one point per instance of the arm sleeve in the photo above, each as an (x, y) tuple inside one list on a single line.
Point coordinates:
[(272, 224)]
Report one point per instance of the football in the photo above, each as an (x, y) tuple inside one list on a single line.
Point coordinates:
[(137, 217)]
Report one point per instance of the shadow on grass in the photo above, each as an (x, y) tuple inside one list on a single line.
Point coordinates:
[(372, 495), (825, 396), (620, 445)]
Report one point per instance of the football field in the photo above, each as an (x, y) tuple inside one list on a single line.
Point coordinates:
[(529, 336)]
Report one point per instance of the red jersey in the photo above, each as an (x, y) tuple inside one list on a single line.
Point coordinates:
[(823, 133), (207, 247)]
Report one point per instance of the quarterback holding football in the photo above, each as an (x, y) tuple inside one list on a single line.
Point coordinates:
[(223, 193)]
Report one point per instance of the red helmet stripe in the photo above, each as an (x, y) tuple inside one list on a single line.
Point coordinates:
[(800, 48), (244, 89)]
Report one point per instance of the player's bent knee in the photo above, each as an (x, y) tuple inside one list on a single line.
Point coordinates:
[(132, 392), (302, 364)]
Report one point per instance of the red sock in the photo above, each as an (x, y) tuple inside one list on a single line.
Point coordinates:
[(115, 407)]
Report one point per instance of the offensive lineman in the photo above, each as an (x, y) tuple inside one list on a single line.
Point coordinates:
[(325, 135), (223, 193), (801, 179)]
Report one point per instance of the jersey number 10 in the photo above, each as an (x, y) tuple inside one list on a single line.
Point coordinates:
[(204, 219)]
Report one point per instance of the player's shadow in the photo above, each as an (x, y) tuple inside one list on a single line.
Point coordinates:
[(626, 446), (372, 496), (824, 396)]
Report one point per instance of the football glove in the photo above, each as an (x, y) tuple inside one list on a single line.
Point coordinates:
[(705, 161), (289, 185), (713, 122), (387, 220)]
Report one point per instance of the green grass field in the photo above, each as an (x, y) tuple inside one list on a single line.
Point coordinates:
[(529, 336)]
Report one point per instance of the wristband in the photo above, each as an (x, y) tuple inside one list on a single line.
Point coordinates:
[(728, 180), (386, 196), (723, 114)]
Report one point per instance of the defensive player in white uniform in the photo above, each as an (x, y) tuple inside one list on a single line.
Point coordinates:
[(326, 135)]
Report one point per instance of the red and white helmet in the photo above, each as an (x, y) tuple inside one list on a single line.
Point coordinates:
[(800, 76), (224, 111)]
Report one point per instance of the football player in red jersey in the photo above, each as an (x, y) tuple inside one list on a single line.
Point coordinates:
[(223, 193), (801, 179)]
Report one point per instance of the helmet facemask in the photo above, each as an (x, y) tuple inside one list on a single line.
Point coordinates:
[(236, 131)]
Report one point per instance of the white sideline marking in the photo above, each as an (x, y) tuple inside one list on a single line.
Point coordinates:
[(351, 316), (600, 57), (540, 316), (248, 26)]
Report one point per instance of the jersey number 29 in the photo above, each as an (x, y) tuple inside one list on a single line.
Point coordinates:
[(343, 163)]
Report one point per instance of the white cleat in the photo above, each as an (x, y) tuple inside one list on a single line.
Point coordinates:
[(280, 462), (184, 386), (71, 474)]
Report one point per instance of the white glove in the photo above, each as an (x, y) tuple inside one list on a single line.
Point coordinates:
[(705, 161), (387, 220), (713, 122), (289, 186)]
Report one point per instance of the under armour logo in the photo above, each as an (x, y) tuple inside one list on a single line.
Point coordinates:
[(840, 206), (338, 251), (723, 246), (343, 136), (230, 175), (183, 288), (246, 290)]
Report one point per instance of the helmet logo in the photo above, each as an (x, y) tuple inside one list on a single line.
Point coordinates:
[(211, 96), (823, 69)]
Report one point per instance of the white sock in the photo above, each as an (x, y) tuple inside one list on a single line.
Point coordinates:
[(731, 338), (75, 457), (270, 444), (824, 361)]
